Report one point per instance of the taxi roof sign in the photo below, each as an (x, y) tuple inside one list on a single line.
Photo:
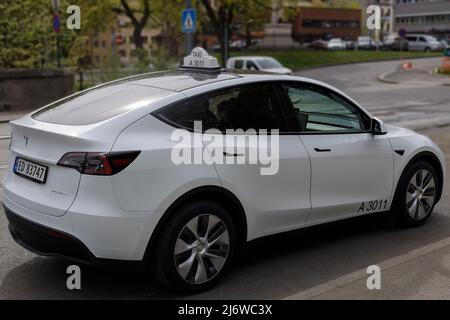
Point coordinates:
[(200, 59)]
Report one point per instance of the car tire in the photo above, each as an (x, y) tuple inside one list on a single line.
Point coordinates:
[(427, 49), (190, 257), (416, 194)]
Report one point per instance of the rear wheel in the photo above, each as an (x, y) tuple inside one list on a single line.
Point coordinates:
[(196, 247), (417, 194)]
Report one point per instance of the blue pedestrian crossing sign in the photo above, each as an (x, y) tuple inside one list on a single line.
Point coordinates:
[(188, 20)]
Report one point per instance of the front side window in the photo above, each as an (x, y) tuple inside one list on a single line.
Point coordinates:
[(316, 109), (246, 107), (250, 65)]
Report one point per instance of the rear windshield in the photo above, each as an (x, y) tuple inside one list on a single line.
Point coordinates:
[(99, 104)]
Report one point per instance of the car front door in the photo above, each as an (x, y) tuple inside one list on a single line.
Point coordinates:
[(351, 169), (274, 189)]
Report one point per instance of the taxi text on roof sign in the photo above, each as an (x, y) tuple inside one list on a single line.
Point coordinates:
[(200, 59)]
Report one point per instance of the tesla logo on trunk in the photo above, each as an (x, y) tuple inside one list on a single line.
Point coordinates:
[(26, 141)]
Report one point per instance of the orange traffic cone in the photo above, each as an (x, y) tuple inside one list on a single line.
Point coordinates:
[(407, 65)]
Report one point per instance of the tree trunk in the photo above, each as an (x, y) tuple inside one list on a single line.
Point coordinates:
[(137, 38), (248, 36)]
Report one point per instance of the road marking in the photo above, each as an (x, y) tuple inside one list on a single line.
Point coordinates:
[(5, 137), (362, 274)]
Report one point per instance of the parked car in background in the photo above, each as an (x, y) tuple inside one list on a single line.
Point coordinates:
[(319, 45), (446, 43), (336, 44), (260, 63), (398, 44), (349, 44), (390, 40), (238, 45), (423, 42), (365, 43)]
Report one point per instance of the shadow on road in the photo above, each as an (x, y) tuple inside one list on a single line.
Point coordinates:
[(270, 268)]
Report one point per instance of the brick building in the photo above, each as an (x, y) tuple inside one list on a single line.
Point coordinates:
[(324, 23)]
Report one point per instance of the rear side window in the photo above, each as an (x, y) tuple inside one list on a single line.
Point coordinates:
[(238, 64), (99, 104), (247, 107)]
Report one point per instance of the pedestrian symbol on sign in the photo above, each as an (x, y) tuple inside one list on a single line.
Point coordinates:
[(188, 20)]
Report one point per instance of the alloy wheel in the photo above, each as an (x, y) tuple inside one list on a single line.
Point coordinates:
[(201, 248), (420, 195)]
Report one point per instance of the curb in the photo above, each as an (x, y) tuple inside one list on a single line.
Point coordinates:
[(384, 78)]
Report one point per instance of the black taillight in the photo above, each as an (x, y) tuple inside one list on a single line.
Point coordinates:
[(98, 163)]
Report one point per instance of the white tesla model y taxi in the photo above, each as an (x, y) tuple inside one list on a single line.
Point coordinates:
[(105, 174)]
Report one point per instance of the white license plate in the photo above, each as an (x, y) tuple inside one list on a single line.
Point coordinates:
[(30, 170)]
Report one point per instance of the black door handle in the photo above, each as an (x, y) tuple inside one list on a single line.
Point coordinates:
[(226, 154), (322, 150)]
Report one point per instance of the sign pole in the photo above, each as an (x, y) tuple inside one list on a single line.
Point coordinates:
[(189, 37), (56, 28)]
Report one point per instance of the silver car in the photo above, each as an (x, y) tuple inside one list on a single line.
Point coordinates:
[(420, 42)]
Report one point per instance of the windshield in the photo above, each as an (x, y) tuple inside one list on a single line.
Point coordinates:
[(268, 63), (431, 39)]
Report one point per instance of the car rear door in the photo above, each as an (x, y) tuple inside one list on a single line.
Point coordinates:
[(274, 189), (351, 169)]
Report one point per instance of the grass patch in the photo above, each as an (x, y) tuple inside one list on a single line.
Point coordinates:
[(297, 60)]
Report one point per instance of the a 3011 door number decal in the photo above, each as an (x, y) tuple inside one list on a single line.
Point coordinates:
[(372, 206)]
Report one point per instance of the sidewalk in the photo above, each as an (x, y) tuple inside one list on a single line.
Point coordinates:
[(423, 273)]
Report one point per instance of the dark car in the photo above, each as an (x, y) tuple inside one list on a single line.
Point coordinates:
[(319, 45), (399, 44)]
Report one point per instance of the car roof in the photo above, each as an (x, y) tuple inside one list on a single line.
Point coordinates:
[(177, 80), (251, 57), (192, 82), (182, 80)]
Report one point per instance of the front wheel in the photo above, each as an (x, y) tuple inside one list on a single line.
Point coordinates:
[(196, 247), (417, 194)]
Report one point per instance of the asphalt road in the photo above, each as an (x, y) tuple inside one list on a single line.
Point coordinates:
[(293, 264)]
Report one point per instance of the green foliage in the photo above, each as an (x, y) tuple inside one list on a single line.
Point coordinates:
[(24, 29)]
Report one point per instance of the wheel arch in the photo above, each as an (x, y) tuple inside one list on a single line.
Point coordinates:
[(434, 161), (218, 194)]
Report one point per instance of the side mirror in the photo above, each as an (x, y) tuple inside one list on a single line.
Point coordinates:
[(377, 127)]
